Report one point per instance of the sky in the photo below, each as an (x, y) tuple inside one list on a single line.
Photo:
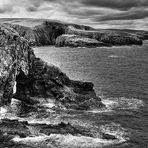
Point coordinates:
[(128, 14)]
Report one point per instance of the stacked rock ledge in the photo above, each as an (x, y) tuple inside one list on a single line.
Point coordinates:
[(71, 40)]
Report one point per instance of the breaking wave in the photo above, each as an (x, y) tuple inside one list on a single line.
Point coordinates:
[(66, 141), (122, 103), (115, 56)]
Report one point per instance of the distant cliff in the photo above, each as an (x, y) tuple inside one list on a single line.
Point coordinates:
[(36, 81), (72, 40), (108, 37), (47, 32)]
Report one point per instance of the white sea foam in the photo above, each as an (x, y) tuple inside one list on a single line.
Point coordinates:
[(122, 103), (14, 88), (49, 105), (3, 111), (105, 110), (115, 56), (109, 103), (66, 141), (30, 139), (115, 130)]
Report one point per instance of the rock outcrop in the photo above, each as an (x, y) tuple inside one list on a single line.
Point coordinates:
[(109, 38), (49, 82), (139, 33), (77, 41), (15, 56), (48, 31), (11, 131), (37, 81), (45, 33), (25, 32)]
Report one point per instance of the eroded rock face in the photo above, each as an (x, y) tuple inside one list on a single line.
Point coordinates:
[(37, 81), (49, 82), (44, 34), (107, 37), (25, 32), (15, 56), (77, 41)]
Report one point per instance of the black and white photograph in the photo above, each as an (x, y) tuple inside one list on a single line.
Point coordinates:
[(73, 73)]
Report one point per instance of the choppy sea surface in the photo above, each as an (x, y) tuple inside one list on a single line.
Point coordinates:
[(120, 76)]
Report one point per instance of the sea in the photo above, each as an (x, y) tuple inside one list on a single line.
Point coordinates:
[(120, 77)]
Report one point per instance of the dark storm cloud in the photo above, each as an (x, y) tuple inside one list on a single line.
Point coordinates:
[(35, 4), (5, 9), (32, 9), (139, 14), (79, 12), (101, 12), (116, 4)]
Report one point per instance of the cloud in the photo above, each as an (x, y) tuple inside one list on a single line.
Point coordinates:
[(6, 9), (116, 4), (32, 9), (105, 13), (129, 15)]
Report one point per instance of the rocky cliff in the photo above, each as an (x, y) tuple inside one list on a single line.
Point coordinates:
[(139, 33), (36, 81), (15, 56), (108, 37), (71, 40), (47, 32)]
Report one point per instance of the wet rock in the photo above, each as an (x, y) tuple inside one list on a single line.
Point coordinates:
[(60, 128), (13, 128), (6, 142), (108, 137), (93, 103)]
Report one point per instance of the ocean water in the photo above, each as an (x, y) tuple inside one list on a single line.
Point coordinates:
[(120, 76)]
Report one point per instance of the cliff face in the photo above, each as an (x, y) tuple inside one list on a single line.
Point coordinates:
[(48, 31), (46, 83), (38, 82), (108, 37), (15, 56), (71, 40), (25, 32), (45, 33), (139, 33)]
